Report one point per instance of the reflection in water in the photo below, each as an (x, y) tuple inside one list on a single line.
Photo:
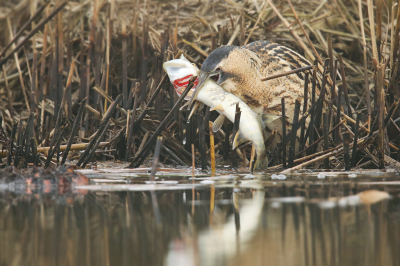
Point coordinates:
[(247, 227)]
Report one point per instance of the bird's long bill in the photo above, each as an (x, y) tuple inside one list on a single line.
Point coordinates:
[(202, 78)]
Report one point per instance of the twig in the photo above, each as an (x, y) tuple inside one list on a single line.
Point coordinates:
[(294, 71)]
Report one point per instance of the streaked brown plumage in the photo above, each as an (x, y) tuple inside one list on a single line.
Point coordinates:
[(239, 70)]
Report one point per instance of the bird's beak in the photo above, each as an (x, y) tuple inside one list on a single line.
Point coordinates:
[(202, 79)]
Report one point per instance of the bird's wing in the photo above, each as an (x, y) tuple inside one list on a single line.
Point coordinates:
[(277, 58), (267, 51)]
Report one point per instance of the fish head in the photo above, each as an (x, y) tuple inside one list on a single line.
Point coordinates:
[(179, 72)]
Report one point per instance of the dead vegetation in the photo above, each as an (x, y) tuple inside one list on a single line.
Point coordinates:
[(107, 56)]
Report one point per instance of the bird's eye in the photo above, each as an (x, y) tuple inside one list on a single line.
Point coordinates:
[(218, 69)]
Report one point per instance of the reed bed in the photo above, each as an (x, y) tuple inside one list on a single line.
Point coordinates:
[(89, 74)]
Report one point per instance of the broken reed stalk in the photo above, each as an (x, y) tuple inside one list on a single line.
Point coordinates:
[(354, 153), (108, 32), (163, 123), (305, 102), (156, 158), (29, 130), (346, 150), (57, 137), (33, 99), (87, 94), (364, 44), (13, 132), (326, 142), (144, 65), (344, 84), (34, 152), (102, 126), (212, 149), (18, 147), (283, 143), (124, 65), (331, 61), (321, 99), (293, 135), (236, 122), (202, 142), (333, 92), (193, 159), (131, 126), (173, 155), (381, 113), (310, 129), (75, 128), (337, 119), (188, 132)]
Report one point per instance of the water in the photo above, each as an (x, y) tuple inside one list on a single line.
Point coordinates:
[(234, 220)]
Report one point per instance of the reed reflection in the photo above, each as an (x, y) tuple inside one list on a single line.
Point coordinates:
[(279, 225)]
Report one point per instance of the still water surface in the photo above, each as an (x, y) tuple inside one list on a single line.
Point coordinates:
[(234, 220)]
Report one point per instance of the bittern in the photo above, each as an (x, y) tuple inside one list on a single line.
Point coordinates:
[(239, 70)]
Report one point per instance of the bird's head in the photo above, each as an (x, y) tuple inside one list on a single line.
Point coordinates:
[(218, 66)]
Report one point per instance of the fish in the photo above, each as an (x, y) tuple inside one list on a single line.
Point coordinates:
[(251, 124)]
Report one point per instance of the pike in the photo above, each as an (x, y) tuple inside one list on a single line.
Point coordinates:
[(251, 124)]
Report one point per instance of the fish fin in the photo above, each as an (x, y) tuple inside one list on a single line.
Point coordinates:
[(196, 105), (268, 118), (184, 105), (261, 162), (239, 139), (182, 57), (217, 106), (218, 122)]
